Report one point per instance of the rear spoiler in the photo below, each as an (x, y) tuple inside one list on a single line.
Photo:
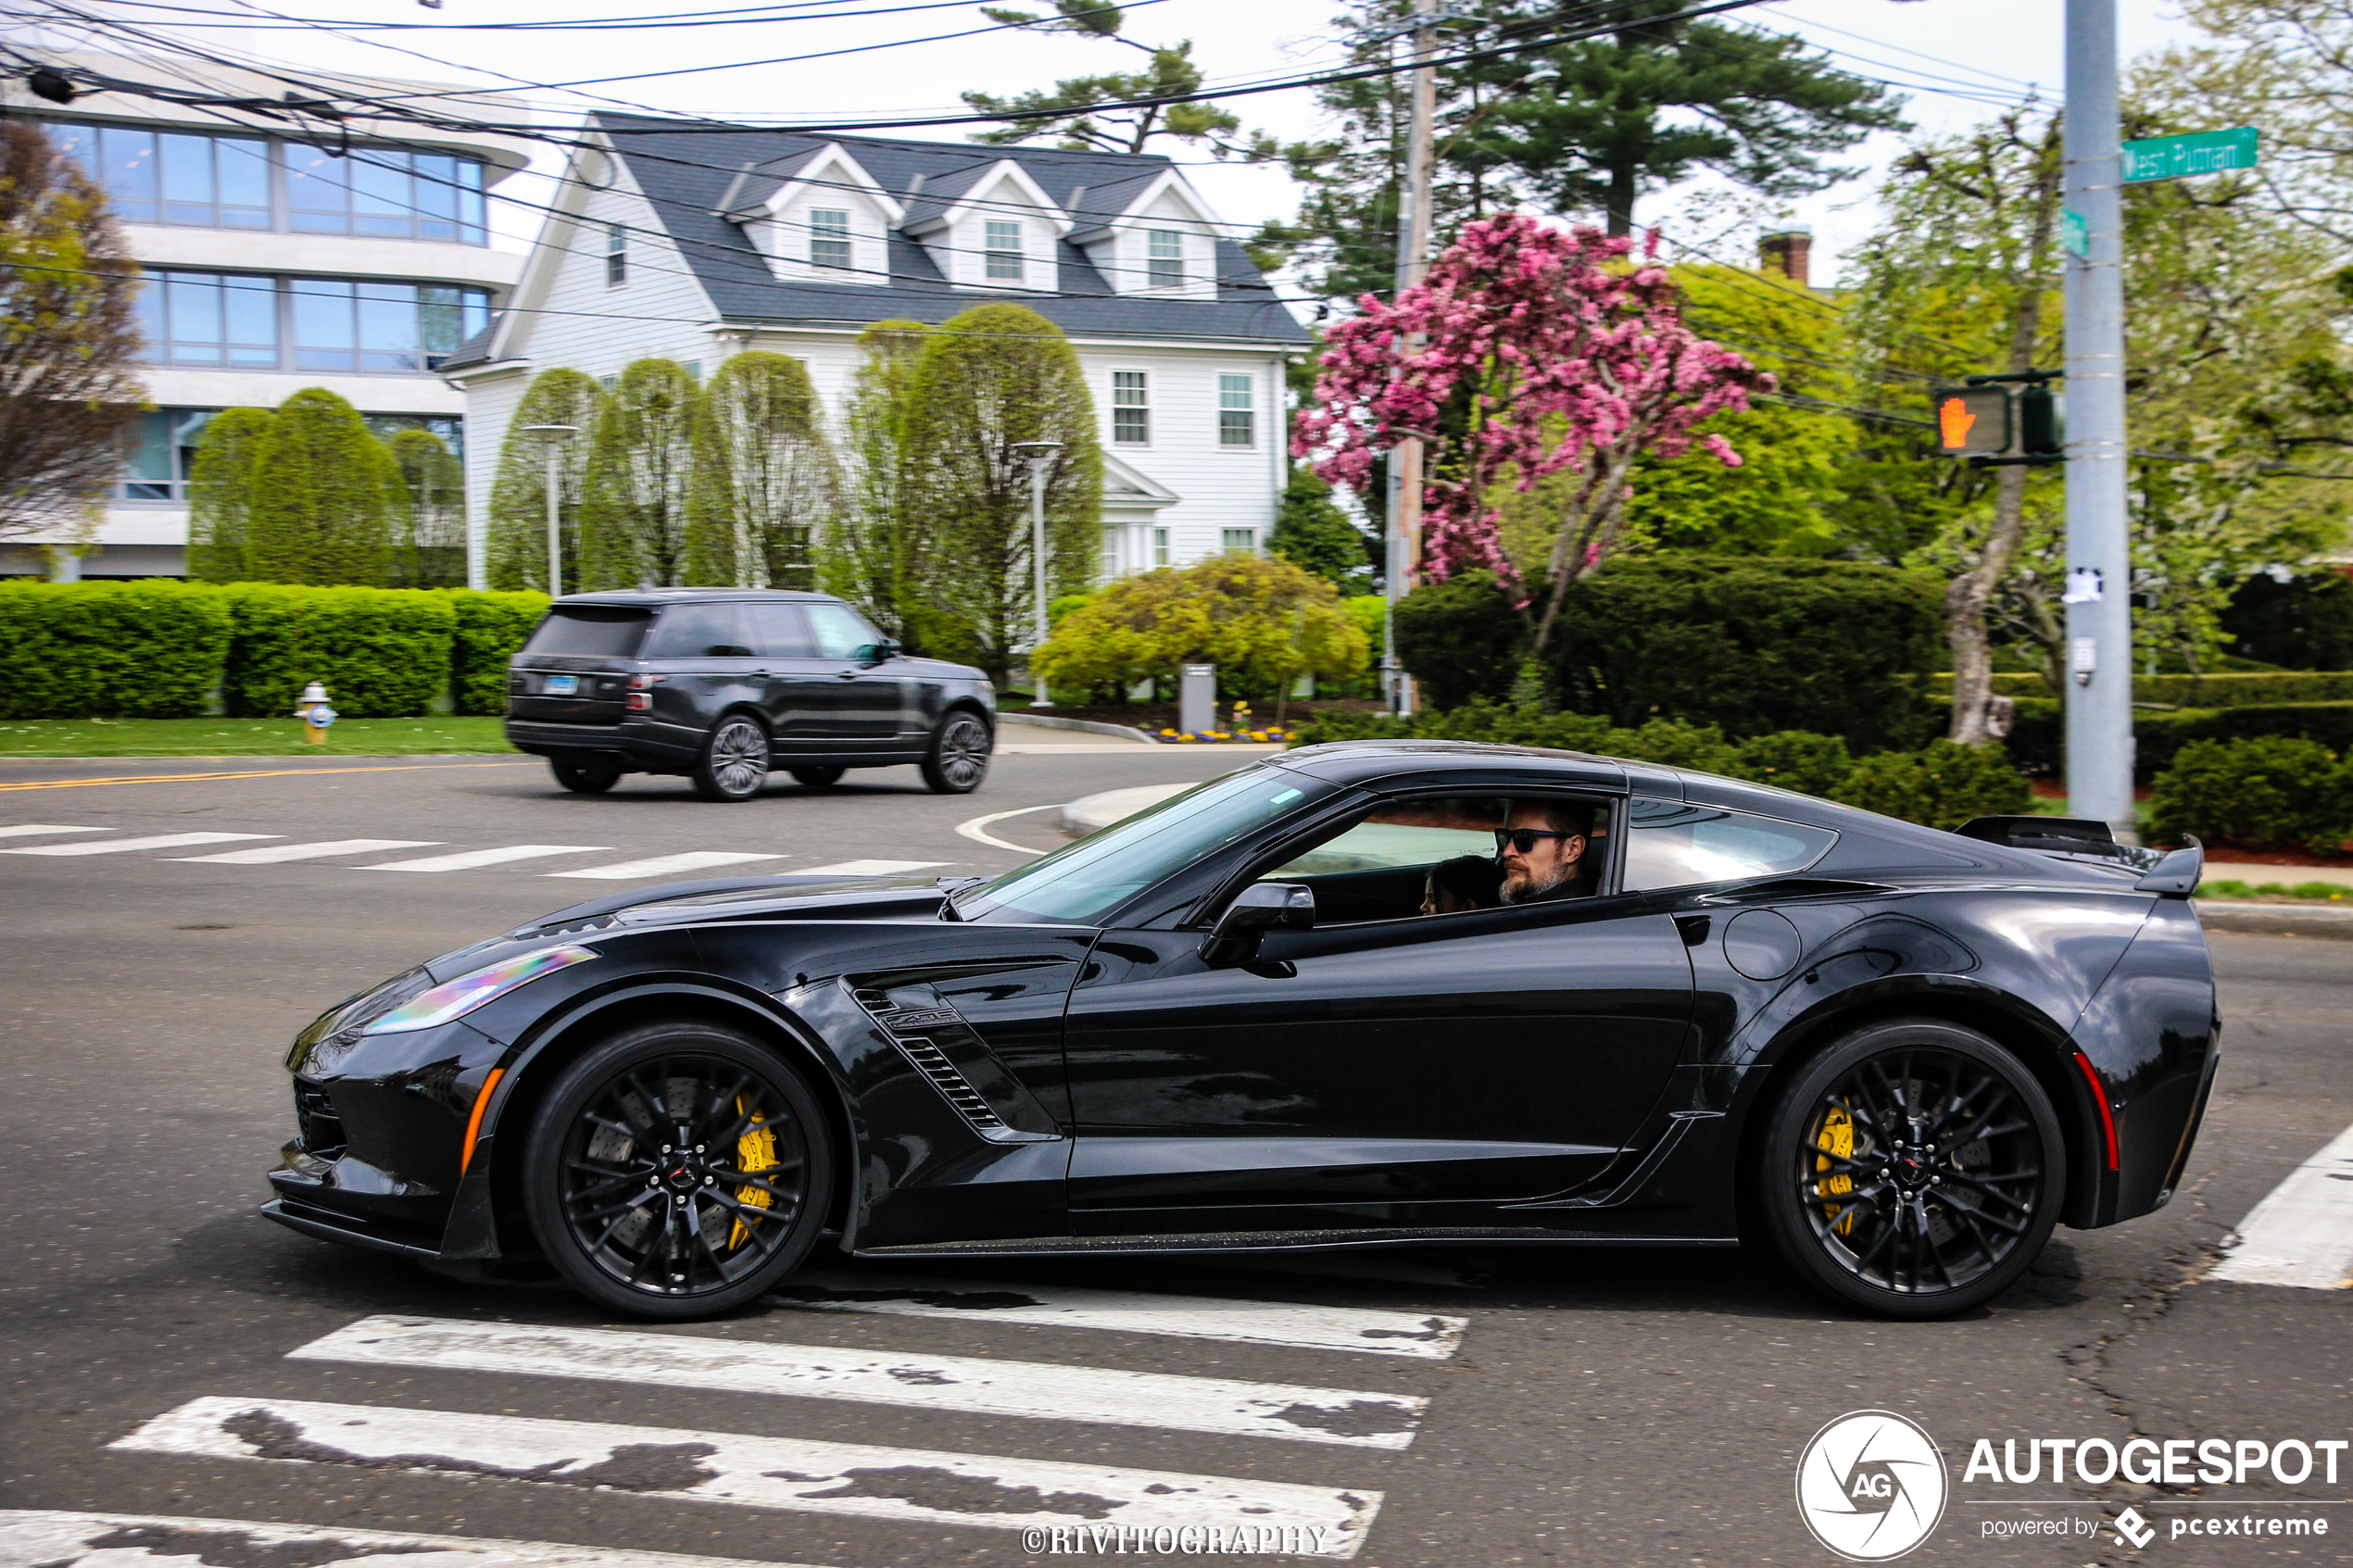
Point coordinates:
[(2174, 875)]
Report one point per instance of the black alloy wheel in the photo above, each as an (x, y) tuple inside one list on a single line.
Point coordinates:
[(1915, 1167), (734, 764), (959, 757), (818, 778), (677, 1171), (583, 778)]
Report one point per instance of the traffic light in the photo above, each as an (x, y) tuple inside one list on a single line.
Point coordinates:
[(1972, 421)]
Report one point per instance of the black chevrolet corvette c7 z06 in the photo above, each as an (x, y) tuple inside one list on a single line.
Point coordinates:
[(1897, 1056)]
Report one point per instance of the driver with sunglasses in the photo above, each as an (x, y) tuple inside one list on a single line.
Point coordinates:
[(1542, 850)]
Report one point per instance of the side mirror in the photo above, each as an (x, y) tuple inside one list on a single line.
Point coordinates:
[(876, 653), (1258, 909)]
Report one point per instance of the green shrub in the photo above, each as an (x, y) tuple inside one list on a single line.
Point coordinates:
[(1941, 786), (1754, 644), (381, 652), (324, 495), (111, 650), (1461, 639), (2161, 736), (1797, 759), (1263, 622), (2230, 688), (2268, 793), (489, 629)]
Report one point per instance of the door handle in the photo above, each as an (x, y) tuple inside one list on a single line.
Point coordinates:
[(848, 675)]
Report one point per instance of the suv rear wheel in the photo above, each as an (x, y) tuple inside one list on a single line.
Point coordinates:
[(734, 764), (583, 778)]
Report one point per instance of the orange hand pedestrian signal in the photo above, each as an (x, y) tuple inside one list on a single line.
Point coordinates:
[(1953, 420), (1971, 422)]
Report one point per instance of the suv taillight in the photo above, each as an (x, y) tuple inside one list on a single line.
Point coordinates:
[(640, 694)]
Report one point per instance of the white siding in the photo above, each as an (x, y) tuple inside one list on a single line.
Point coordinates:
[(785, 236)]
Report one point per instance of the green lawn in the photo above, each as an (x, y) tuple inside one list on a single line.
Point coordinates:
[(246, 737)]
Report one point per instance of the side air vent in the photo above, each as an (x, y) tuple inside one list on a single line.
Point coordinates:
[(959, 1092)]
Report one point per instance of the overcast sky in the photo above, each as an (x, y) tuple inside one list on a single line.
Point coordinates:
[(1978, 54)]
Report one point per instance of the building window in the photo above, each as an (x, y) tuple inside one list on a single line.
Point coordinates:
[(160, 452), (382, 327), (1163, 258), (1131, 414), (616, 255), (209, 319), (169, 177), (611, 384), (693, 369), (829, 238), (1159, 546), (1003, 245), (381, 191), (1237, 422), (1239, 542)]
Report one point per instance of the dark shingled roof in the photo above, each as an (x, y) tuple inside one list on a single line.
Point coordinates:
[(685, 175)]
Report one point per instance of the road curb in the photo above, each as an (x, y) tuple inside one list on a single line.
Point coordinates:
[(1091, 726), (1090, 813), (2275, 919)]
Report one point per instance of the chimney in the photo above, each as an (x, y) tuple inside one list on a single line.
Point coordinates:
[(1791, 250)]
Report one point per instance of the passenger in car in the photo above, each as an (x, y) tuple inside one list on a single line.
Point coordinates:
[(1542, 850), (1466, 881)]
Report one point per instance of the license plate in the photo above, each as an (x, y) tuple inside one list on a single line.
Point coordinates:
[(563, 685)]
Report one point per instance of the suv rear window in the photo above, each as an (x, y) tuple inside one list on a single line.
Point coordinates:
[(591, 632)]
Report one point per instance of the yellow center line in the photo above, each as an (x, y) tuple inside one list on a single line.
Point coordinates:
[(248, 774)]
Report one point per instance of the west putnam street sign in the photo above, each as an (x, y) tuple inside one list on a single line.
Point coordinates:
[(2198, 152)]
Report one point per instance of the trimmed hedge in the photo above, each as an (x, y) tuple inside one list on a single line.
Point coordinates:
[(2037, 741), (1941, 786), (111, 650), (2272, 793), (490, 627), (381, 652), (2231, 689)]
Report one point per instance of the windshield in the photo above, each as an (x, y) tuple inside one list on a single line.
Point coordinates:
[(1083, 883)]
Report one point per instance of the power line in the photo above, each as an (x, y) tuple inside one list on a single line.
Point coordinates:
[(748, 15)]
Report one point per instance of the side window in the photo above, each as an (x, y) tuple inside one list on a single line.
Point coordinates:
[(699, 631), (840, 632), (1409, 857), (1671, 844), (779, 630)]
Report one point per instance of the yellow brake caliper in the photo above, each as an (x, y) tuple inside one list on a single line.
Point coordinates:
[(1837, 1137), (755, 1153)]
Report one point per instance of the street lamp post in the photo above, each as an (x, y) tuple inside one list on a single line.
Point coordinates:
[(1039, 456), (553, 437)]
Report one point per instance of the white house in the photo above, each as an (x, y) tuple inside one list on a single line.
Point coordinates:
[(275, 260), (693, 245)]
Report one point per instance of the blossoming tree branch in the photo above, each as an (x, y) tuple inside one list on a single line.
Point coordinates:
[(1529, 350)]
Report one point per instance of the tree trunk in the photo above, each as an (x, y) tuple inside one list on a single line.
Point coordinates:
[(1965, 604), (1621, 200)]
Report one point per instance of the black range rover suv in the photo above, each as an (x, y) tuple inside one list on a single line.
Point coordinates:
[(723, 684)]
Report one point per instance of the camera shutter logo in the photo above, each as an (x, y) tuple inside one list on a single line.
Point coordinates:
[(1871, 1485)]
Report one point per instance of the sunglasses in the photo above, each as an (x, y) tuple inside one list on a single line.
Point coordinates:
[(1524, 839)]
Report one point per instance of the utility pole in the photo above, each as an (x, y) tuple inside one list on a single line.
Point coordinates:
[(2099, 607), (1404, 508), (1039, 456), (552, 438)]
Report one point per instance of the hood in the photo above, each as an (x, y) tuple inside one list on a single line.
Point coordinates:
[(740, 897)]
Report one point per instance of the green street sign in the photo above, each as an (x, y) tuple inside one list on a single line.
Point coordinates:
[(2198, 152), (2075, 235)]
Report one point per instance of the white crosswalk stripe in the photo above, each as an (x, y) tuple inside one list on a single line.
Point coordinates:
[(126, 846), (279, 854), (46, 1539), (2302, 1232), (665, 865), (1359, 1329), (907, 1485), (32, 829), (470, 859), (970, 1384)]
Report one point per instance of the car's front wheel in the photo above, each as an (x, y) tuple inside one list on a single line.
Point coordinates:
[(959, 757), (1915, 1169), (677, 1171), (584, 778), (734, 764)]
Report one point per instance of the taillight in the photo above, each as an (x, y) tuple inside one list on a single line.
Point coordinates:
[(640, 696)]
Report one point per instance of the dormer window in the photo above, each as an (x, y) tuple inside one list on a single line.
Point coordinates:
[(829, 238), (1002, 244), (1165, 258)]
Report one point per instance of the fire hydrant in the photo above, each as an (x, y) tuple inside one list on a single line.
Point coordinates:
[(315, 714)]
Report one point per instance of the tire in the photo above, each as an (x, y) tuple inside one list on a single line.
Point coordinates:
[(638, 1218), (818, 778), (584, 778), (958, 759), (1914, 1169), (734, 764)]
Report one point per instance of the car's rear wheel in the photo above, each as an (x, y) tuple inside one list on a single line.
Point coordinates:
[(818, 778), (734, 764), (584, 778), (677, 1171), (1915, 1169), (959, 757)]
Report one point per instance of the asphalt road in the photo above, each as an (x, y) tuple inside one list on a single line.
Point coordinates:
[(1625, 1407)]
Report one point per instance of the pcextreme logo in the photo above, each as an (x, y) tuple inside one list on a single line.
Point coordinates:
[(1871, 1486)]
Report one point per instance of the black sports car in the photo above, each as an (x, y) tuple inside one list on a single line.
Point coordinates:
[(1270, 1012)]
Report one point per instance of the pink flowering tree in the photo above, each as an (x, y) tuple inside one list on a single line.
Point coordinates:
[(1527, 351)]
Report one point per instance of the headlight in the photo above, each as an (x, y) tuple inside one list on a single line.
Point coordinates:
[(459, 997)]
